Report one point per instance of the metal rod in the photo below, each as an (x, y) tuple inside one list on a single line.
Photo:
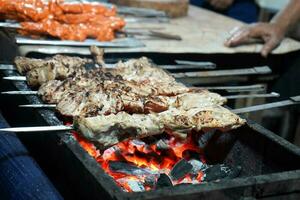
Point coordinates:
[(7, 67), (273, 94), (37, 129), (15, 78), (243, 96), (38, 106), (20, 92), (292, 101), (229, 72), (246, 88), (203, 65)]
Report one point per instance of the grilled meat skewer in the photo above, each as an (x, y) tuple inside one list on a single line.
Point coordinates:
[(24, 64), (104, 94), (112, 129)]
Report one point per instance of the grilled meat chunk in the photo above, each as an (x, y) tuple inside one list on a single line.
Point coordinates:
[(38, 76), (112, 129), (24, 64)]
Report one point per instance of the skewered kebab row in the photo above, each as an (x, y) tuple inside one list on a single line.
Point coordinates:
[(23, 10), (37, 10), (139, 70), (108, 108), (91, 28), (24, 64), (105, 94), (69, 21), (112, 129), (93, 103)]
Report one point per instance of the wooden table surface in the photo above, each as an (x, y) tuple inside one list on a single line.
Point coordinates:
[(202, 31)]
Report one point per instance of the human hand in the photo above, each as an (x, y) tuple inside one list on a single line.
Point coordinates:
[(271, 34), (220, 4)]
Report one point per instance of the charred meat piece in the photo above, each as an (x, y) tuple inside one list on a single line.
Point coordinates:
[(24, 64), (114, 128)]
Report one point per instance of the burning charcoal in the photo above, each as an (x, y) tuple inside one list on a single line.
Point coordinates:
[(204, 139), (234, 172), (136, 186), (197, 166), (161, 145), (129, 169), (164, 181), (131, 185), (217, 172), (150, 180), (181, 169)]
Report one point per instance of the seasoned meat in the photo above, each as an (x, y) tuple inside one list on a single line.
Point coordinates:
[(114, 128), (24, 64)]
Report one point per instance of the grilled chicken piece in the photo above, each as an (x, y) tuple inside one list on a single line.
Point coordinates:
[(52, 91), (142, 70), (38, 76), (189, 101), (24, 64), (93, 103), (84, 96), (112, 129)]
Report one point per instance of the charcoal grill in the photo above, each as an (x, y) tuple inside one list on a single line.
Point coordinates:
[(270, 165)]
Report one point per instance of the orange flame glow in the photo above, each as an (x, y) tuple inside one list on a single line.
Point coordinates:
[(140, 154)]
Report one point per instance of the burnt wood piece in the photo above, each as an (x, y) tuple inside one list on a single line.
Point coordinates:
[(128, 168), (221, 171), (180, 169), (163, 181)]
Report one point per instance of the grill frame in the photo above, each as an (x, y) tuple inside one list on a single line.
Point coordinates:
[(78, 166)]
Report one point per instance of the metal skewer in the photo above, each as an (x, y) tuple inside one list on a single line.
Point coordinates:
[(234, 72), (7, 67), (15, 78), (20, 92), (38, 129), (38, 106), (244, 96), (203, 65), (198, 66), (291, 101)]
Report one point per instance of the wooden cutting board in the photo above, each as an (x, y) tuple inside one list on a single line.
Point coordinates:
[(173, 8)]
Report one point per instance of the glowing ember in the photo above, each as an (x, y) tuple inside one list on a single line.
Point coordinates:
[(145, 162)]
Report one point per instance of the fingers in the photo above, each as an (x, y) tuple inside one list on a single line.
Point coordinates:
[(237, 36), (270, 44), (269, 33), (245, 35)]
